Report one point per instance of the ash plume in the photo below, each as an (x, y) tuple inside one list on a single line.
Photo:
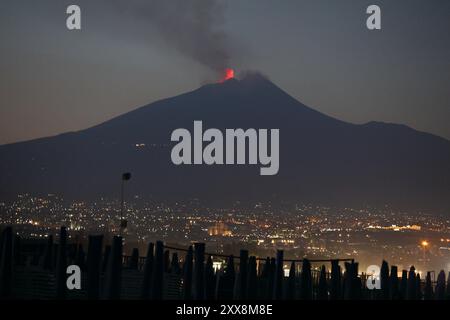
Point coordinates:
[(193, 27)]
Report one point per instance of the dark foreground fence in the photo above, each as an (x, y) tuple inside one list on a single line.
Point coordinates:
[(173, 273)]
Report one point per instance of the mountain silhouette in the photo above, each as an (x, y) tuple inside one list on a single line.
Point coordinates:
[(322, 159)]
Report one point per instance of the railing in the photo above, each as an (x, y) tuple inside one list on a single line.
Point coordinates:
[(108, 274)]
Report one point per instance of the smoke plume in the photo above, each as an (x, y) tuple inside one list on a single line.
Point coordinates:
[(193, 27)]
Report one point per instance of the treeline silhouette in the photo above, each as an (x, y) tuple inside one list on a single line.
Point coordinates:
[(36, 271)]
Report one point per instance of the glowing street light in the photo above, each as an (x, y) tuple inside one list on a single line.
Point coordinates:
[(424, 245)]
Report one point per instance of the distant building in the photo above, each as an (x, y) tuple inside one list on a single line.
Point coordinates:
[(219, 229)]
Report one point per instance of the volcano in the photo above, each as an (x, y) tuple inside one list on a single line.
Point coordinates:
[(322, 160)]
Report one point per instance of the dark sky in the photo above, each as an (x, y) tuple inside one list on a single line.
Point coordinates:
[(53, 80)]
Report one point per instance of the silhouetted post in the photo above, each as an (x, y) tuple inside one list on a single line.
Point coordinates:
[(133, 264), (440, 286), (411, 293), (47, 262), (428, 291), (352, 289), (404, 285), (322, 293), (93, 267), (252, 279), (166, 261), (263, 275), (80, 258), (6, 265), (199, 271), (175, 264), (158, 273), (243, 273), (418, 288), (187, 274), (226, 281), (106, 258), (17, 251), (1, 242), (393, 284), (356, 281), (210, 281), (61, 265), (384, 280), (290, 289), (306, 281), (335, 290), (148, 268), (447, 290), (230, 277), (269, 274), (278, 285), (113, 276), (265, 268)]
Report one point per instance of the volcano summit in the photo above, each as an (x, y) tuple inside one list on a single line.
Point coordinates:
[(325, 160)]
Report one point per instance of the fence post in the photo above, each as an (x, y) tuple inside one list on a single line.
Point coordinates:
[(6, 265), (404, 285), (148, 267), (47, 262), (418, 288), (106, 258), (199, 271), (290, 290), (447, 289), (226, 281), (114, 270), (335, 292), (428, 292), (252, 279), (278, 283), (134, 259), (411, 293), (352, 284), (17, 254), (175, 264), (93, 266), (61, 265), (187, 275), (209, 279), (81, 258), (243, 275), (384, 280), (393, 290), (306, 281), (166, 261), (440, 286), (322, 293), (271, 278), (157, 286)]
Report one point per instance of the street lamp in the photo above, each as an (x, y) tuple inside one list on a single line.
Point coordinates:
[(123, 222), (424, 245)]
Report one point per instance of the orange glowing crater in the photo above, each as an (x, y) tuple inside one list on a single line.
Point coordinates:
[(229, 74)]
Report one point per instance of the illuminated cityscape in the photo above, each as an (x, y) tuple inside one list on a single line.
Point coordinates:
[(316, 232)]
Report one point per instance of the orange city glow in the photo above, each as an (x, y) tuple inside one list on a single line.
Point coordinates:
[(424, 243)]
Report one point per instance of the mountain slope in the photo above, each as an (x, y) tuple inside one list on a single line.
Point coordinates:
[(322, 159)]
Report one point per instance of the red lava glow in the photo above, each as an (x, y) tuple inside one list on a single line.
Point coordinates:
[(229, 74)]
